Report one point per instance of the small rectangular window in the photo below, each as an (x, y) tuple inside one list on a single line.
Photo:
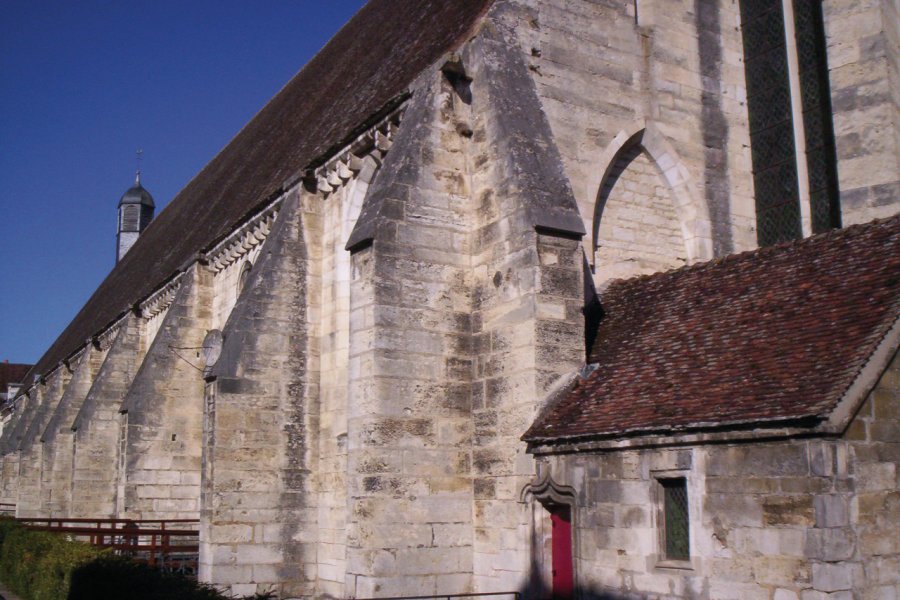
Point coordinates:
[(675, 519)]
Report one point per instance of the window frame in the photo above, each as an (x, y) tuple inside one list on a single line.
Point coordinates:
[(662, 560)]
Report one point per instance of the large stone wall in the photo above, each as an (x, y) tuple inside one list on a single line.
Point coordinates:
[(808, 519), (675, 67), (864, 71), (360, 433)]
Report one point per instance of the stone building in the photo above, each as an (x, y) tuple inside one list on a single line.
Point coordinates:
[(11, 377), (329, 345), (736, 432)]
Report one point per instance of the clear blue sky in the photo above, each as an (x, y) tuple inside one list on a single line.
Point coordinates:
[(83, 85)]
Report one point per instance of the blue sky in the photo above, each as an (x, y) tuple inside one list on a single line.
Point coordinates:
[(83, 85)]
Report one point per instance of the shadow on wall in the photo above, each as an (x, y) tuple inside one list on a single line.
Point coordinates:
[(593, 311), (536, 589)]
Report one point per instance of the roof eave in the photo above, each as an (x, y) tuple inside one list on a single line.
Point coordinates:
[(842, 414), (696, 435)]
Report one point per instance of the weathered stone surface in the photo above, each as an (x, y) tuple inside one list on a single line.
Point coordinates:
[(162, 413), (31, 454), (58, 437), (94, 479), (258, 502), (780, 516), (391, 334)]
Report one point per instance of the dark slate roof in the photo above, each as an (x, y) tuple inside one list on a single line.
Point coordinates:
[(773, 336), (12, 373), (368, 64), (137, 194)]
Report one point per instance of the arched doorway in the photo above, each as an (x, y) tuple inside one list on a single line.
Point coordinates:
[(553, 534)]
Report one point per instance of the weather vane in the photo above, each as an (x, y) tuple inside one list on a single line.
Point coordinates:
[(140, 155)]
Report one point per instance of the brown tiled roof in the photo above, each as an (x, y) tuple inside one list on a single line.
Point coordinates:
[(766, 337), (370, 62), (12, 373)]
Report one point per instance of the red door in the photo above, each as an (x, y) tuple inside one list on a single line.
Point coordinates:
[(563, 575)]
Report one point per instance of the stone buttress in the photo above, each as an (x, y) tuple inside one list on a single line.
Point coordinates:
[(96, 425), (465, 307), (9, 445), (409, 428), (28, 502), (258, 508), (528, 292), (58, 437), (162, 413)]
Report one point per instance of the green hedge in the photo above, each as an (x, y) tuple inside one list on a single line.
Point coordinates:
[(37, 565), (46, 566)]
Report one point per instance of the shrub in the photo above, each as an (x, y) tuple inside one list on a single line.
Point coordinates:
[(47, 566), (113, 577), (38, 565)]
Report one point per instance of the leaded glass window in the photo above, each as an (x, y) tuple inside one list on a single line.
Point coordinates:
[(676, 521), (771, 123), (815, 97), (772, 126)]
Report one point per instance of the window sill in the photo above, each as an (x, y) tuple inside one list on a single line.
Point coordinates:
[(681, 565)]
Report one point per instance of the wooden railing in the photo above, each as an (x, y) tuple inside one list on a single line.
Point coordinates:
[(168, 544)]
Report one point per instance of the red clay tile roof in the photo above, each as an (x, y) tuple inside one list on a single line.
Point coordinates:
[(768, 336), (370, 62)]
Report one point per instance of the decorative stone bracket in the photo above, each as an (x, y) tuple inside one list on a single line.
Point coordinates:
[(347, 163), (161, 299), (243, 239)]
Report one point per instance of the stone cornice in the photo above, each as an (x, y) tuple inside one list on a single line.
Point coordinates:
[(243, 239), (103, 340), (347, 163), (328, 178), (160, 300)]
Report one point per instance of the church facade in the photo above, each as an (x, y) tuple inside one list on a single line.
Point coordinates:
[(588, 298)]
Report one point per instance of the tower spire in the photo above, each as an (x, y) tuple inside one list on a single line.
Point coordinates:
[(136, 209), (137, 176)]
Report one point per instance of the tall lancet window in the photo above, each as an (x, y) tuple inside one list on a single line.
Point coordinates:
[(791, 134)]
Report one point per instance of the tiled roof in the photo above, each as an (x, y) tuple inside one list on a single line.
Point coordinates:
[(12, 373), (772, 336), (371, 61)]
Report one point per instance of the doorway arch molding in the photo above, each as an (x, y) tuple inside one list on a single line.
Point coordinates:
[(548, 502), (692, 214), (546, 491)]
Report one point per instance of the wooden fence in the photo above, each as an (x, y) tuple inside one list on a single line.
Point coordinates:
[(167, 544)]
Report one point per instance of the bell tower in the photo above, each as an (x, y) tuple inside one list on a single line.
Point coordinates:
[(135, 213)]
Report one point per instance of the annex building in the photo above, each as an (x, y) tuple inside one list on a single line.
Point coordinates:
[(581, 298)]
